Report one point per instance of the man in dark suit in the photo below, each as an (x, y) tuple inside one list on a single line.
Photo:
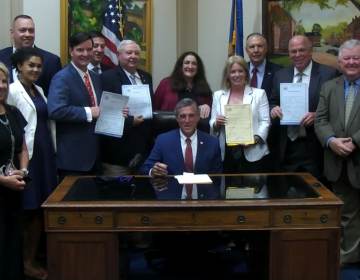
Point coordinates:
[(261, 70), (337, 126), (298, 148), (262, 73), (168, 155), (73, 97), (23, 35), (124, 155), (96, 64)]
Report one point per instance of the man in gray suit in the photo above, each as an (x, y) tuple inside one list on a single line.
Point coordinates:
[(297, 148), (337, 126)]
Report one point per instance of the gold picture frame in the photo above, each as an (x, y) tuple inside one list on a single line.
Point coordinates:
[(139, 18)]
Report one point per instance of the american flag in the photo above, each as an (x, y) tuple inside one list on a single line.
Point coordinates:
[(111, 31)]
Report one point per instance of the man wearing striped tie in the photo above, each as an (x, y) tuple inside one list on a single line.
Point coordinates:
[(337, 126), (298, 149)]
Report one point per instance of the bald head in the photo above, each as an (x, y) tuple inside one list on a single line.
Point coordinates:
[(300, 51), (23, 32)]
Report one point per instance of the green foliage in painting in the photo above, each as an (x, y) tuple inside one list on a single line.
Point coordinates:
[(86, 15)]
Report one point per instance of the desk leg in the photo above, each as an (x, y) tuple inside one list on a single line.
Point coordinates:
[(305, 254), (80, 256)]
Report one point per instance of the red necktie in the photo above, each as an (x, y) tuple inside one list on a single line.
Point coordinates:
[(89, 89), (188, 166), (253, 82)]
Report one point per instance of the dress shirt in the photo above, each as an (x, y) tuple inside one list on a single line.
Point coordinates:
[(260, 72), (346, 92), (87, 109), (347, 87), (305, 77), (193, 138), (137, 76), (92, 66)]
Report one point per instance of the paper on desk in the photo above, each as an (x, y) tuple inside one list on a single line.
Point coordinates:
[(191, 178)]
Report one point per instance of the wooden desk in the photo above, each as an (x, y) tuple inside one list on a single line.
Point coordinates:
[(83, 235)]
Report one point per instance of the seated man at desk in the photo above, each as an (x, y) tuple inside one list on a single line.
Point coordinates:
[(186, 149)]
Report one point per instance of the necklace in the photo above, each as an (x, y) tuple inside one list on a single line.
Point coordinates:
[(6, 122), (7, 125)]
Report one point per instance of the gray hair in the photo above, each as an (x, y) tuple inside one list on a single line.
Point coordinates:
[(349, 44), (186, 102), (125, 43)]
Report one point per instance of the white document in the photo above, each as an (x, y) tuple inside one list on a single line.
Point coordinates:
[(139, 100), (111, 119), (294, 102), (191, 178), (238, 127)]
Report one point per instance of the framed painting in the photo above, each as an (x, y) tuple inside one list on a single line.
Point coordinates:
[(328, 23), (87, 15)]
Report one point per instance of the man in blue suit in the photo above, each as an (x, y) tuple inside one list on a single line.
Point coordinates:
[(168, 155), (23, 35), (73, 97)]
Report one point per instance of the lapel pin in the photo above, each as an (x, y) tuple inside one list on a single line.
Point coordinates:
[(201, 142)]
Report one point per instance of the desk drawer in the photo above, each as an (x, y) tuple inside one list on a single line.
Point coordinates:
[(198, 219), (305, 217), (80, 220)]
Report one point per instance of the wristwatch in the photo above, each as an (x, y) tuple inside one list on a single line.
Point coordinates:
[(24, 171)]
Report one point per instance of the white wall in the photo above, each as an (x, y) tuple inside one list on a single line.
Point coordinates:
[(46, 15), (164, 39)]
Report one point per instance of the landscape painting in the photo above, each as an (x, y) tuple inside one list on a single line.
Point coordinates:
[(327, 23)]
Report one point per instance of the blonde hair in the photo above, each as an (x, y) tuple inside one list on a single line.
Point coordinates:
[(235, 59), (4, 69)]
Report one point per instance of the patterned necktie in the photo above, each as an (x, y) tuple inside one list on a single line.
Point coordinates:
[(188, 166), (299, 75), (350, 98), (133, 79), (253, 82), (89, 89), (294, 131)]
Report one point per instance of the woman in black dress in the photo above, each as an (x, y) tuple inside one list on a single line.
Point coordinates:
[(13, 163), (39, 136)]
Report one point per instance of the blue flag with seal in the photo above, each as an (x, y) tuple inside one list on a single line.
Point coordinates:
[(236, 35)]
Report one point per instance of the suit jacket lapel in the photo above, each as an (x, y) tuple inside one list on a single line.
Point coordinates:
[(313, 86), (25, 95), (340, 100), (355, 108), (79, 81), (267, 75), (200, 151), (247, 95)]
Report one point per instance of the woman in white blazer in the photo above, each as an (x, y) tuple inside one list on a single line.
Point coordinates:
[(241, 158), (39, 137)]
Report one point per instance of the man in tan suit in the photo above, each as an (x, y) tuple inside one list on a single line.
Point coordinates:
[(337, 125)]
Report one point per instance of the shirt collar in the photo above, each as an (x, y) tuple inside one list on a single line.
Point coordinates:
[(129, 74), (306, 72), (356, 82), (260, 68), (192, 137), (81, 72), (92, 66)]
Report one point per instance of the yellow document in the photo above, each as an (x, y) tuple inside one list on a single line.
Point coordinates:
[(238, 127)]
